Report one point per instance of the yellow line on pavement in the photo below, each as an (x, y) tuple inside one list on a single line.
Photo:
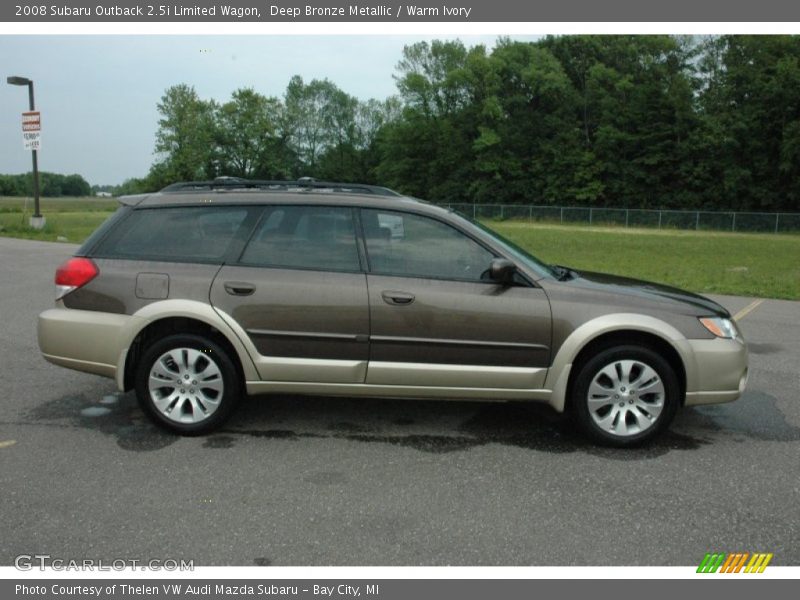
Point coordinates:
[(7, 443), (747, 309)]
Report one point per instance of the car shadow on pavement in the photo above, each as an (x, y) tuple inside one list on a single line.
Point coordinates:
[(114, 414), (425, 426), (434, 426)]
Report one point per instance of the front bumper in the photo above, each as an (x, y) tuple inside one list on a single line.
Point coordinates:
[(719, 371)]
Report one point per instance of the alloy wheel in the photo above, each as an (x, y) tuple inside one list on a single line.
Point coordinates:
[(625, 397), (186, 385)]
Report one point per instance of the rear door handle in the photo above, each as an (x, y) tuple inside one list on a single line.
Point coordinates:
[(397, 298), (238, 288)]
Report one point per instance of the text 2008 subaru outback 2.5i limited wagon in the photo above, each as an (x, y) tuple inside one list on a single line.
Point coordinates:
[(203, 291)]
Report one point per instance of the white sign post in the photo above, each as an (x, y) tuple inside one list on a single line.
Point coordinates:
[(32, 130)]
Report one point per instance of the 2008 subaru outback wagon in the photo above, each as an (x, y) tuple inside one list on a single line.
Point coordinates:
[(204, 291)]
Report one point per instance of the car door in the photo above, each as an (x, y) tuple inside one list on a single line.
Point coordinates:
[(300, 294), (436, 319)]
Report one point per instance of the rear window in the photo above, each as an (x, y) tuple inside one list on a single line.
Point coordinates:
[(198, 234)]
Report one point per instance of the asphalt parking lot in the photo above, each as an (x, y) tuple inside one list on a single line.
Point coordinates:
[(332, 481)]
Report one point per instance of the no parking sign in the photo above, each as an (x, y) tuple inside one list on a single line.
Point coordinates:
[(32, 130)]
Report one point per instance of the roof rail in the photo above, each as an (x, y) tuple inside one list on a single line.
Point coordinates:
[(301, 185)]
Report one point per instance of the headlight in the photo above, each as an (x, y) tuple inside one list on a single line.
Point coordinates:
[(720, 327)]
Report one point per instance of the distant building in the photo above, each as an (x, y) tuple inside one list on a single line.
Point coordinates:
[(103, 194)]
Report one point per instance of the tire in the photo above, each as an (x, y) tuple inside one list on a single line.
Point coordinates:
[(201, 385), (613, 412)]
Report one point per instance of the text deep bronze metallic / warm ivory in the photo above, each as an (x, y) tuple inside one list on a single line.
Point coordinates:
[(198, 293)]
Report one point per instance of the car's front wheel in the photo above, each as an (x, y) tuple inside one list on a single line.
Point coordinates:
[(187, 383), (625, 395)]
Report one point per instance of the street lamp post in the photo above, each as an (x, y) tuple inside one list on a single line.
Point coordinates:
[(37, 221)]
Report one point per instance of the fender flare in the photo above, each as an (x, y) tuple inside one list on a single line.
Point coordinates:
[(559, 372), (187, 309)]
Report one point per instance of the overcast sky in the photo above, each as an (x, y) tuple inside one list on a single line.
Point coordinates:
[(98, 94)]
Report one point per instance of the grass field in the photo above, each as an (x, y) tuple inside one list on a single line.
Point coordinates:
[(70, 218), (742, 264), (745, 264)]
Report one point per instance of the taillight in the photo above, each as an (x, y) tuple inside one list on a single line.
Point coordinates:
[(75, 272)]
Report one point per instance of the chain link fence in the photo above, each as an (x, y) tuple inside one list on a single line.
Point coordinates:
[(634, 217)]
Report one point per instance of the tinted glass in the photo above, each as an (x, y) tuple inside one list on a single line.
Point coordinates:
[(200, 234), (517, 252), (413, 245), (101, 231), (304, 237)]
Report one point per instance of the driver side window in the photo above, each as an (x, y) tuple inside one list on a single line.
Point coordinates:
[(417, 246)]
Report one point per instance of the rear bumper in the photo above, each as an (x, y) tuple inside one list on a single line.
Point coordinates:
[(83, 340), (719, 371)]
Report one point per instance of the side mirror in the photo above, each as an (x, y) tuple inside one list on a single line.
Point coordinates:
[(502, 271)]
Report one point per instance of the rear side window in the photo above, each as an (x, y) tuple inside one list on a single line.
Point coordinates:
[(321, 238), (200, 234), (101, 231)]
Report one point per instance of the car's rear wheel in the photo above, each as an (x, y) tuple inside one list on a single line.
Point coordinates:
[(625, 395), (187, 383)]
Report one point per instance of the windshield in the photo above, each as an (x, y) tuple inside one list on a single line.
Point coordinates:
[(514, 251)]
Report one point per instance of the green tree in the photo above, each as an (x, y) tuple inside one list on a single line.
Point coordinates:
[(75, 185), (428, 151), (185, 137), (308, 119), (751, 116), (640, 121), (636, 113), (246, 131)]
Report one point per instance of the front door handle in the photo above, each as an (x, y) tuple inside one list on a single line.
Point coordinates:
[(397, 298), (239, 288)]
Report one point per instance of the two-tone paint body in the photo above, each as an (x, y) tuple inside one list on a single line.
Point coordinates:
[(351, 333)]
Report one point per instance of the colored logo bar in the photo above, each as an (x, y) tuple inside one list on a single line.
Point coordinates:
[(734, 562)]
